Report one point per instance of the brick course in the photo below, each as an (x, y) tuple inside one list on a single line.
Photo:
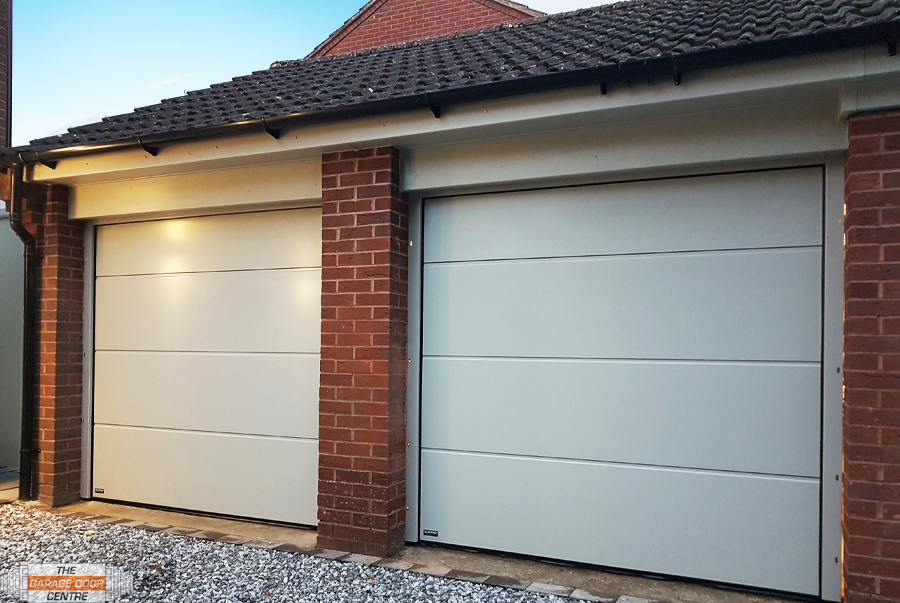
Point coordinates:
[(362, 413), (394, 21), (872, 360)]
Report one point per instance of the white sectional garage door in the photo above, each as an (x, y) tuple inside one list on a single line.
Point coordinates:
[(629, 375), (206, 367)]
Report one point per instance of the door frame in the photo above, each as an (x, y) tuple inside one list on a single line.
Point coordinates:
[(830, 541)]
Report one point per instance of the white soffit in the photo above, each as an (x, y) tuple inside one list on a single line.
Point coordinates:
[(728, 88)]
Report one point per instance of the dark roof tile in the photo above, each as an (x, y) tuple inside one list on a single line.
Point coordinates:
[(607, 36)]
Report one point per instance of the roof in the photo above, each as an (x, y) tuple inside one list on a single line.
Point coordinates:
[(575, 48), (520, 11)]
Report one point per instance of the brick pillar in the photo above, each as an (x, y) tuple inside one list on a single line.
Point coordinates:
[(60, 248), (872, 360), (362, 412)]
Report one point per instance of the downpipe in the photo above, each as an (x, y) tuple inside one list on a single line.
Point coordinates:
[(27, 452)]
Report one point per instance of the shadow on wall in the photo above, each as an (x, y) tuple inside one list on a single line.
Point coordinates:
[(11, 274)]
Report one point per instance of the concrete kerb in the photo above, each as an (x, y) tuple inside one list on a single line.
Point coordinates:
[(367, 560)]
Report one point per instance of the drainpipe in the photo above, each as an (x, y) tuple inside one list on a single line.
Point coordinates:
[(27, 452)]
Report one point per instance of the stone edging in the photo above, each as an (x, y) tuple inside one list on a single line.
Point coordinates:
[(431, 570)]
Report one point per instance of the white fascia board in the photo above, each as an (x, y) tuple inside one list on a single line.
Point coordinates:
[(706, 90), (875, 82), (288, 184), (804, 130)]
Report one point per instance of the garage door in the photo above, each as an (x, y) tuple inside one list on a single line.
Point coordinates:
[(629, 375), (206, 369)]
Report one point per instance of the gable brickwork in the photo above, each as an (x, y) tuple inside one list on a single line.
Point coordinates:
[(386, 22), (872, 360)]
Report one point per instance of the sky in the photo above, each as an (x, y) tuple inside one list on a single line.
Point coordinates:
[(77, 61)]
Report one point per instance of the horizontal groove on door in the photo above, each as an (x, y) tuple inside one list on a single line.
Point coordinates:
[(761, 305), (181, 272), (261, 477), (739, 210), (753, 530), (208, 353), (761, 418), (231, 393), (263, 311), (257, 240), (208, 432), (647, 360), (491, 454), (622, 255)]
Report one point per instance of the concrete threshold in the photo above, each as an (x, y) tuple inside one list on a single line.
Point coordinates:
[(9, 485), (579, 582)]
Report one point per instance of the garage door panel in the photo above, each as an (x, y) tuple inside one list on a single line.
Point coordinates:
[(231, 242), (751, 530), (745, 305), (748, 210), (748, 417), (214, 473), (263, 394), (252, 311)]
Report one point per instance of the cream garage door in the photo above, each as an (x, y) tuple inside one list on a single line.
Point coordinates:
[(206, 365), (629, 375)]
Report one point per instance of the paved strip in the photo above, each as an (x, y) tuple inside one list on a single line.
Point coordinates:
[(510, 585)]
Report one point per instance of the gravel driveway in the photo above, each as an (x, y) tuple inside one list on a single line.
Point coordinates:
[(171, 567)]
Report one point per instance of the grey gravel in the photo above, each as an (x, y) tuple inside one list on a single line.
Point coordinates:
[(171, 567)]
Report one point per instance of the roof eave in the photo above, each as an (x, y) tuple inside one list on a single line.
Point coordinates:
[(671, 66)]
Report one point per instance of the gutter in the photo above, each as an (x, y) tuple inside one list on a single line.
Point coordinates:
[(669, 66), (29, 376)]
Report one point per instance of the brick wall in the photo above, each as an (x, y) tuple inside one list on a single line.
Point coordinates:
[(872, 360), (60, 249), (396, 21), (5, 69), (362, 413)]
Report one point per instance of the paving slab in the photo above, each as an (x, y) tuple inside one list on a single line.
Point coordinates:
[(361, 559), (154, 527), (584, 595), (204, 535), (432, 570), (550, 589), (289, 548), (394, 565), (330, 554), (260, 544), (177, 530), (508, 582), (232, 539), (467, 576)]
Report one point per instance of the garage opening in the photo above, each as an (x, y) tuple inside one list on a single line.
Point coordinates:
[(629, 375), (206, 363)]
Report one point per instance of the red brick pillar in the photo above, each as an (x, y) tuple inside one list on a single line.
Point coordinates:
[(60, 315), (362, 412), (872, 360)]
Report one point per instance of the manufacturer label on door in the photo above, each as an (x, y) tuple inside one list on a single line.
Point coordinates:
[(430, 532)]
